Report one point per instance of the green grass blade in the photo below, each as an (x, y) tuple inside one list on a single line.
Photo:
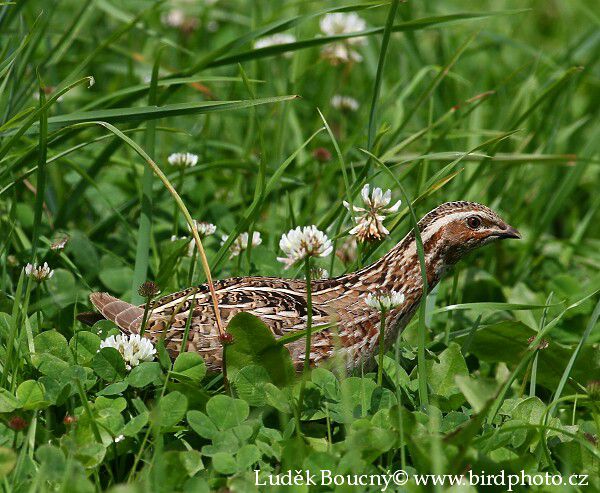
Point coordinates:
[(60, 49), (481, 306), (146, 113), (31, 119), (434, 84), (140, 269), (409, 26), (142, 88), (565, 376), (254, 208), (422, 331), (379, 74), (214, 57), (41, 174)]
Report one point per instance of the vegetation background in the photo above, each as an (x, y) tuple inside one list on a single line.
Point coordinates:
[(495, 102)]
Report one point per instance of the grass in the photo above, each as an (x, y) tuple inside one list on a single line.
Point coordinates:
[(494, 102)]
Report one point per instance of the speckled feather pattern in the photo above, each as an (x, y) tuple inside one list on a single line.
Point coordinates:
[(281, 303)]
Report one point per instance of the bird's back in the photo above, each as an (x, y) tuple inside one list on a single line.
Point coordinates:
[(279, 303)]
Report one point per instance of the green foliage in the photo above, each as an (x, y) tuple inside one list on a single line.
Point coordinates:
[(189, 367), (8, 402), (254, 344), (144, 374), (456, 101), (8, 459), (84, 345), (250, 383), (508, 342), (30, 395), (108, 364), (171, 409), (442, 377)]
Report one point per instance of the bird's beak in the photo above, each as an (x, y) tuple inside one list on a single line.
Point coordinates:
[(510, 232)]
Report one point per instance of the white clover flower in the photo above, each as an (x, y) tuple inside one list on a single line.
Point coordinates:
[(301, 243), (340, 23), (134, 348), (119, 438), (369, 225), (377, 200), (275, 39), (369, 228), (340, 53), (178, 19), (241, 242), (174, 18), (183, 159), (384, 300), (204, 228), (39, 273), (343, 23), (191, 244), (344, 103)]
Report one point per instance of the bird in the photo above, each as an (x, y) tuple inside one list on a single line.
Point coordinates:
[(343, 323)]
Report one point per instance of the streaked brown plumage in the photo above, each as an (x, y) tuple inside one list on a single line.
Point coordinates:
[(448, 233)]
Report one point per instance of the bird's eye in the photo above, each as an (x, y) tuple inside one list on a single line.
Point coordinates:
[(474, 222)]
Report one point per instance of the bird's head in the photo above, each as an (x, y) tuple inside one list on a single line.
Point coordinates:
[(455, 228)]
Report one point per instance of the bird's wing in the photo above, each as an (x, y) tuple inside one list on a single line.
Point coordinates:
[(279, 303)]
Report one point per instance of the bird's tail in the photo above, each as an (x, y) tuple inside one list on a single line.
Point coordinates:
[(126, 316)]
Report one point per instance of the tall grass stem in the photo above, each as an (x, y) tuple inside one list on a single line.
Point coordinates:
[(140, 270), (381, 347), (306, 366)]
